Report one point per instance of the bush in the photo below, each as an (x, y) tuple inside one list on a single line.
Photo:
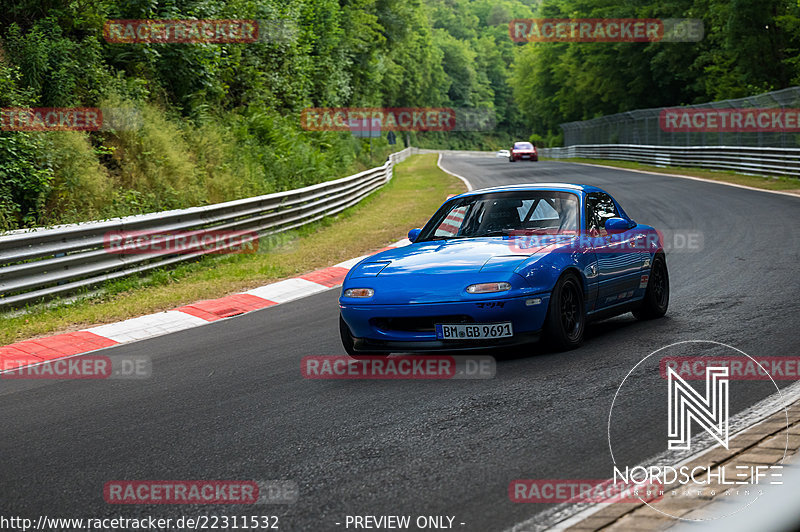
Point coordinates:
[(26, 175)]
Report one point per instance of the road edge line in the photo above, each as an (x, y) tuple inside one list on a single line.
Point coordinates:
[(470, 188), (789, 194)]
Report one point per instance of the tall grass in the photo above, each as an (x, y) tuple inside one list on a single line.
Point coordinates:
[(81, 186), (168, 161)]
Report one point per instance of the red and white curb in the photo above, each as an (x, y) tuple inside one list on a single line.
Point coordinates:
[(32, 352)]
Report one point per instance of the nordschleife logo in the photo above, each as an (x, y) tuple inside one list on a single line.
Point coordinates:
[(685, 404)]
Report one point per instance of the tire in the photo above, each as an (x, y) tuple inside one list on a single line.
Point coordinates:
[(511, 159), (656, 296), (349, 344), (565, 323)]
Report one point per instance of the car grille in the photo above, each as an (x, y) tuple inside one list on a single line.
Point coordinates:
[(417, 323)]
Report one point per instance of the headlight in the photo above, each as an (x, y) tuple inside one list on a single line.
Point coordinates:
[(488, 288), (359, 292)]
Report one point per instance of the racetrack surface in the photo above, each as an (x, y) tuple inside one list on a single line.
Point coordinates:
[(227, 401)]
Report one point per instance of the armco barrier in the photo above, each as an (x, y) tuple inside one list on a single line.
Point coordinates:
[(758, 161), (42, 263)]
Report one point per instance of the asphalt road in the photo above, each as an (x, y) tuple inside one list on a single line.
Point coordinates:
[(227, 401)]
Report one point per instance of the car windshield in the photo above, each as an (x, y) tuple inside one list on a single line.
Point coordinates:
[(503, 214), (523, 146)]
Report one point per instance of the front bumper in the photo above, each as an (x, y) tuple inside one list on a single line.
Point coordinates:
[(393, 328), (367, 345)]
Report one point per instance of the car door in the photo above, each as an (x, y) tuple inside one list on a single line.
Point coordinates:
[(619, 263)]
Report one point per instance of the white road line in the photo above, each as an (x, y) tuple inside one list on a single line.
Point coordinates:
[(148, 326), (462, 178), (288, 290)]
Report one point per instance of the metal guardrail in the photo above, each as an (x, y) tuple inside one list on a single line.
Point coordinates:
[(42, 263), (748, 160)]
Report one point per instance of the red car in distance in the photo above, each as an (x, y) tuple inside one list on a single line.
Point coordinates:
[(523, 151)]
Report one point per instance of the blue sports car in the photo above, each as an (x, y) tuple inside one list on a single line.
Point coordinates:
[(503, 266)]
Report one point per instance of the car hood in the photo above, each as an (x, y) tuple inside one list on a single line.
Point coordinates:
[(455, 256), (439, 271)]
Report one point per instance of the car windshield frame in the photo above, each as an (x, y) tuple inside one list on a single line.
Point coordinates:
[(427, 234)]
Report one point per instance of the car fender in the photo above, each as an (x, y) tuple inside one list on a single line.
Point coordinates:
[(542, 271)]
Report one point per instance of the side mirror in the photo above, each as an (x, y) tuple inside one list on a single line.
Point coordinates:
[(617, 225), (414, 233)]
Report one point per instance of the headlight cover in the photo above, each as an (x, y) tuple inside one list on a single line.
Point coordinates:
[(488, 288), (359, 292)]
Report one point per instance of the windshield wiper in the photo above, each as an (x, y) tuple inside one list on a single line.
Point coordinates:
[(497, 232), (431, 239)]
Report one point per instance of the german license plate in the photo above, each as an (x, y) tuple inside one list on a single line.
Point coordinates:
[(479, 331)]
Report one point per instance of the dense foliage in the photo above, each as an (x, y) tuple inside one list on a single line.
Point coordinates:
[(750, 47), (221, 121)]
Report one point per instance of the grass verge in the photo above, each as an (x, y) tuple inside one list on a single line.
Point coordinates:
[(415, 192), (767, 183)]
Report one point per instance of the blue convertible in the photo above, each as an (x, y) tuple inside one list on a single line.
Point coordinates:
[(503, 266)]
